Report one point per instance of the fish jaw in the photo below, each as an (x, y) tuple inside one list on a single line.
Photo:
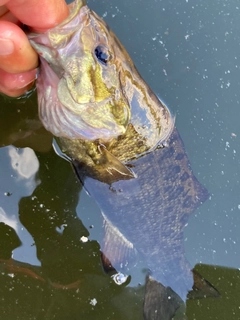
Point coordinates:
[(59, 119), (86, 94)]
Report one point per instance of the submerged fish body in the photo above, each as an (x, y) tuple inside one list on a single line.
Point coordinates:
[(123, 145), (145, 216)]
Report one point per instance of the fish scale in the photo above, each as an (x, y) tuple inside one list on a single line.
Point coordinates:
[(151, 211), (125, 149)]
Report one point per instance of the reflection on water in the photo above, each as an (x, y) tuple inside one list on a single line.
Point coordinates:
[(18, 179), (24, 161), (39, 203), (9, 220), (26, 164)]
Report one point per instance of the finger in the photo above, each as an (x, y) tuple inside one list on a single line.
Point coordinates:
[(6, 15), (3, 10), (3, 2), (40, 15), (15, 85), (16, 53)]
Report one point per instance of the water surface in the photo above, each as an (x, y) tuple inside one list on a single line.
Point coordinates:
[(188, 52)]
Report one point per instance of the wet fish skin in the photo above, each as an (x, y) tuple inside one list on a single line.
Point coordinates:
[(146, 191), (150, 213), (80, 97)]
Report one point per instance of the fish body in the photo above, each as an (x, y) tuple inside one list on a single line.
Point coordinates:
[(145, 215), (124, 147)]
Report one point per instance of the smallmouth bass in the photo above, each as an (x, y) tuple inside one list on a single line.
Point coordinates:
[(125, 149)]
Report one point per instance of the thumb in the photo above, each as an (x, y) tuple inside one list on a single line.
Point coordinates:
[(40, 15), (17, 57)]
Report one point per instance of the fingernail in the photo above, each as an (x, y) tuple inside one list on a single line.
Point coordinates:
[(26, 85), (25, 80), (6, 47)]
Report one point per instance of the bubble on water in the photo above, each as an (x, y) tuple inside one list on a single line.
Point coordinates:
[(61, 228), (119, 278), (84, 239), (8, 194), (93, 302)]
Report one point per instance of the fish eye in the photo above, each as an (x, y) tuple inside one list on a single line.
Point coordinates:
[(102, 54)]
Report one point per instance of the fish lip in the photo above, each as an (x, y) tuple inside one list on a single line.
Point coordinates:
[(75, 9), (83, 12)]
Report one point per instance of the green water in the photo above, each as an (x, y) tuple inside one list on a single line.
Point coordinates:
[(188, 52)]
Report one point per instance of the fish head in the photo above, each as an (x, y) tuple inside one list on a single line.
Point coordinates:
[(89, 89), (79, 88)]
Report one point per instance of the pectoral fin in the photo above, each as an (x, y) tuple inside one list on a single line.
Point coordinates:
[(111, 168)]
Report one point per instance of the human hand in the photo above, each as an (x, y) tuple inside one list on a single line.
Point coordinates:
[(18, 60)]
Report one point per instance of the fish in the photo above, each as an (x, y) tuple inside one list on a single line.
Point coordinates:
[(123, 144)]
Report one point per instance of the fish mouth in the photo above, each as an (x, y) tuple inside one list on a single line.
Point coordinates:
[(64, 117), (78, 13)]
